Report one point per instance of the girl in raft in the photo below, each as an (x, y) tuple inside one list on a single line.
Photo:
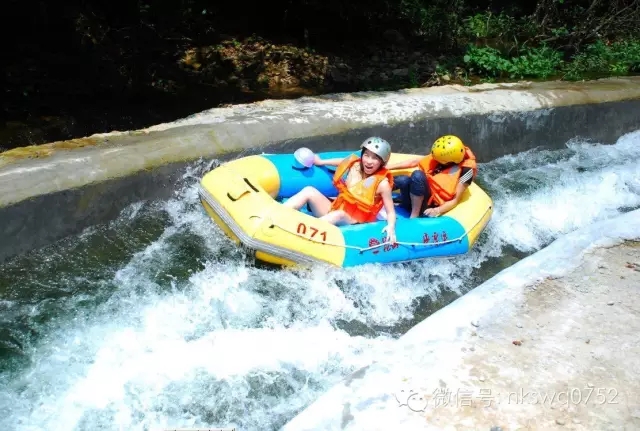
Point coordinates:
[(436, 187), (361, 195)]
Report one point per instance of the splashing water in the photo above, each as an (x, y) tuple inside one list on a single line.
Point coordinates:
[(158, 320)]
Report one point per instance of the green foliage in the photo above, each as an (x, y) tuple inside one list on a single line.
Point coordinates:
[(545, 39), (596, 60), (434, 20), (142, 47), (413, 78), (602, 59), (488, 25), (539, 62)]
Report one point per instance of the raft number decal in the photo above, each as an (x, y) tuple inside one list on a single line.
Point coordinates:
[(302, 230)]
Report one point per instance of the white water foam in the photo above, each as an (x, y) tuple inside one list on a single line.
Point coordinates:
[(551, 193), (234, 345)]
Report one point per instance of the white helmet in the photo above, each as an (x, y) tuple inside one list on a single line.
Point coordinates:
[(379, 147)]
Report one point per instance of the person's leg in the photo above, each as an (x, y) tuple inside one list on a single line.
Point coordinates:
[(402, 183), (419, 193), (337, 218), (319, 204)]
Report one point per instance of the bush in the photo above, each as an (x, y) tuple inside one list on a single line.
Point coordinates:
[(596, 60), (602, 59), (539, 62)]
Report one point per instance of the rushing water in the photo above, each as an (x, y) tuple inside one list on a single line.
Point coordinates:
[(157, 319)]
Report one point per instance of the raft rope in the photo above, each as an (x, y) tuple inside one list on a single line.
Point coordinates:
[(382, 244)]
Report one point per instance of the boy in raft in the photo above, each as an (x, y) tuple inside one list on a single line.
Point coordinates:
[(365, 190), (442, 177)]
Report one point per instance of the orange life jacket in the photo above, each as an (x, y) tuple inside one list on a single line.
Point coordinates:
[(443, 184), (360, 200)]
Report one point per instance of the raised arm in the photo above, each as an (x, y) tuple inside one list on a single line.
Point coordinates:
[(410, 163), (327, 162)]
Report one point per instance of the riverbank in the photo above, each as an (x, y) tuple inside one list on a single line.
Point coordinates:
[(202, 77), (549, 343)]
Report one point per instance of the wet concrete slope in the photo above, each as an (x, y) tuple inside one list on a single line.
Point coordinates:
[(52, 191), (546, 343)]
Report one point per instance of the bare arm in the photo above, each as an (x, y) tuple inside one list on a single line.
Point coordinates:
[(411, 163), (448, 206), (327, 162), (384, 189)]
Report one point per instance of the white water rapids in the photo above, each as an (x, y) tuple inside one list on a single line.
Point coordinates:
[(165, 323)]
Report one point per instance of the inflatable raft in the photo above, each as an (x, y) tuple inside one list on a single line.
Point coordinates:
[(244, 198)]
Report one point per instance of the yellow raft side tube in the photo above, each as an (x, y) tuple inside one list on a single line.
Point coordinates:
[(243, 204)]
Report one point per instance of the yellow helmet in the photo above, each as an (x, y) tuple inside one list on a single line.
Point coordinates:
[(448, 149)]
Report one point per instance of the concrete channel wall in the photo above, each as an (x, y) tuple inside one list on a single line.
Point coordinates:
[(55, 190), (522, 351)]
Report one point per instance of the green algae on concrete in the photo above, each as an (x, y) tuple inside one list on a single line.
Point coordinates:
[(45, 150)]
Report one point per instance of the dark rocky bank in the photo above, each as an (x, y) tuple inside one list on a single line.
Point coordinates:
[(49, 108)]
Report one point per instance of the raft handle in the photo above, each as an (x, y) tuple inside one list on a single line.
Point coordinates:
[(251, 185), (245, 191)]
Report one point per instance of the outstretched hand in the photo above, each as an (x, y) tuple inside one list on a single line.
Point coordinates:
[(391, 234)]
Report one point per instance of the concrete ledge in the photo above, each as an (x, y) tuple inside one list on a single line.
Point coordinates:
[(44, 219), (468, 346), (495, 119)]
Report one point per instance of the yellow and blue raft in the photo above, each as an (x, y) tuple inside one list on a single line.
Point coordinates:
[(244, 197)]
